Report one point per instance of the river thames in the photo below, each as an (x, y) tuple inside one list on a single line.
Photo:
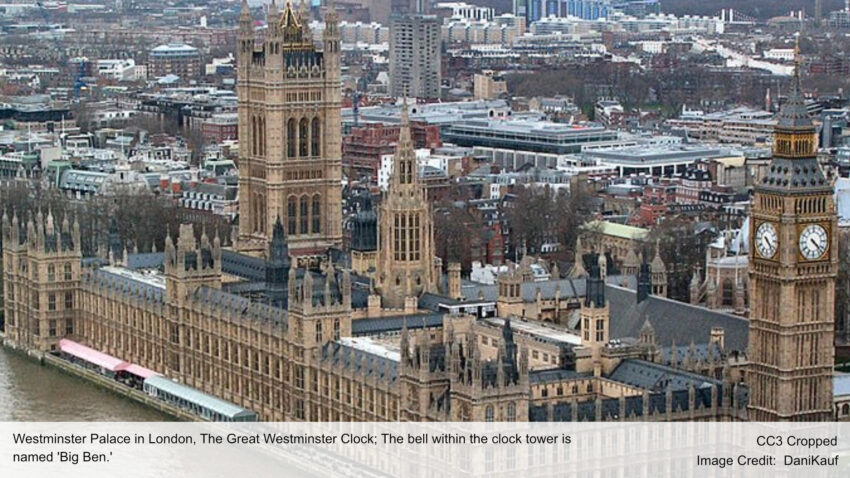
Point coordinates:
[(31, 392)]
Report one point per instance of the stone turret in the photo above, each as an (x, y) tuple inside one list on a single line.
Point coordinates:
[(190, 263), (245, 37), (578, 270), (489, 390), (454, 281), (278, 265), (48, 255), (659, 273), (631, 264), (695, 287), (510, 300), (406, 259)]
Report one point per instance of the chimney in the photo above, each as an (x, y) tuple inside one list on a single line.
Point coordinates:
[(373, 305), (718, 336), (411, 305), (454, 281)]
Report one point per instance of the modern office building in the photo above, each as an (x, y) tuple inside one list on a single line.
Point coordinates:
[(527, 135), (534, 10)]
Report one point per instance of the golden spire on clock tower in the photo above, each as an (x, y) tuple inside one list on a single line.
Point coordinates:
[(794, 135)]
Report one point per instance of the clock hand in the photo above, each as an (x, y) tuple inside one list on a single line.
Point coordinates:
[(814, 242)]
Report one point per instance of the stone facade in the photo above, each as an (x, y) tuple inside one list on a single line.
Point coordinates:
[(406, 260), (793, 287), (290, 158), (309, 354), (41, 273)]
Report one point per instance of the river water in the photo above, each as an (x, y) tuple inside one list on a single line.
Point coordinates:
[(31, 392)]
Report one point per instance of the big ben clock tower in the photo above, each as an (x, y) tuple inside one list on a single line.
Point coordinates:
[(793, 265)]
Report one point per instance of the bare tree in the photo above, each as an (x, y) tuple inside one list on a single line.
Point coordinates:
[(458, 230), (541, 215)]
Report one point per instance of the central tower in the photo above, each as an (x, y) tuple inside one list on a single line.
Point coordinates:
[(289, 133), (793, 265), (406, 246)]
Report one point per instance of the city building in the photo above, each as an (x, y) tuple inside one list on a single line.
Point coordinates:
[(364, 146), (527, 135), (534, 10), (415, 66), (441, 114), (726, 284), (221, 127), (119, 70), (178, 59), (487, 85)]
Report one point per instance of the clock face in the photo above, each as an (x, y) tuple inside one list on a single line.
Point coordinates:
[(813, 241), (766, 240)]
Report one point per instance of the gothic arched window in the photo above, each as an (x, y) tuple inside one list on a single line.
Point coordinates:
[(261, 213), (255, 212), (302, 138), (262, 128), (728, 293), (316, 135), (316, 216), (304, 216), (291, 215), (511, 412), (489, 414), (290, 138), (254, 135)]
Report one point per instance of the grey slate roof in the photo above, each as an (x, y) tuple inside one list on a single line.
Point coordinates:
[(361, 327), (795, 174), (242, 265), (673, 321), (554, 375), (241, 306), (358, 360), (140, 289), (794, 114), (434, 301), (547, 289), (701, 352), (145, 260), (657, 377)]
